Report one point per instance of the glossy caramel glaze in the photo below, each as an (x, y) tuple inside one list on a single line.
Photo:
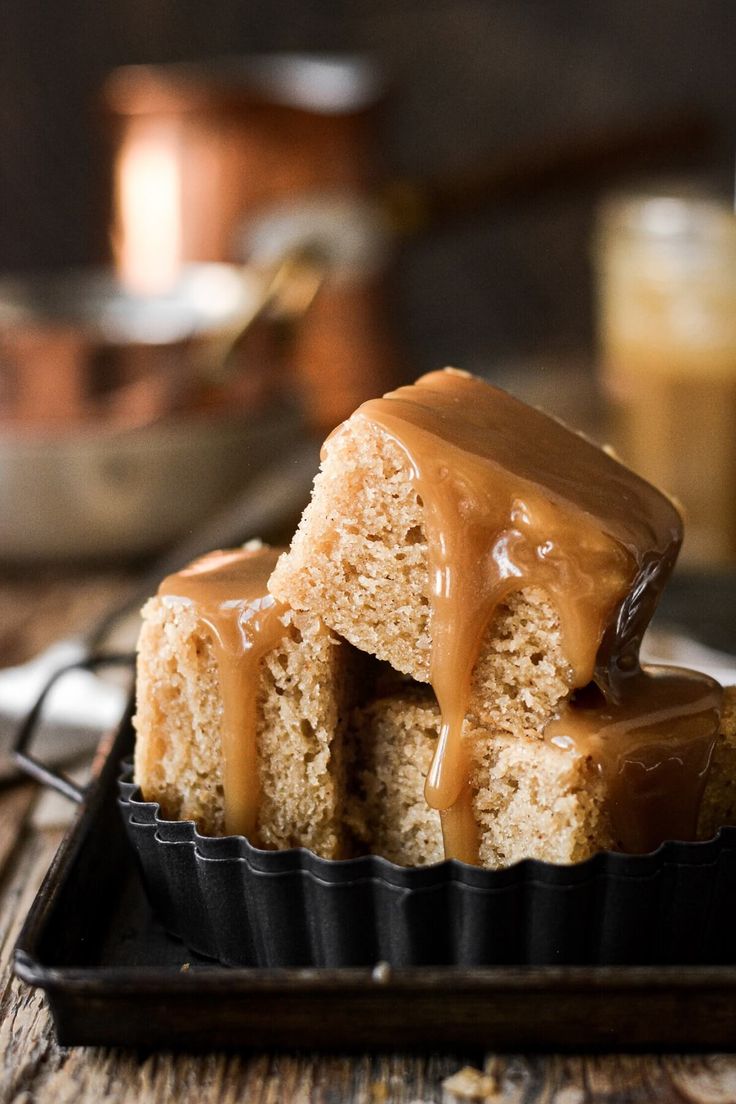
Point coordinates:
[(653, 747), (243, 622), (513, 499)]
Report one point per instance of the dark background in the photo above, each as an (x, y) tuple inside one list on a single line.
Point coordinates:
[(473, 80)]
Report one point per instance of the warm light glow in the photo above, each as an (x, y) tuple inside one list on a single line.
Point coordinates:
[(149, 210)]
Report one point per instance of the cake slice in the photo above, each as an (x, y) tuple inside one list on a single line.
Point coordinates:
[(718, 807), (532, 799), (360, 560), (542, 534), (241, 707)]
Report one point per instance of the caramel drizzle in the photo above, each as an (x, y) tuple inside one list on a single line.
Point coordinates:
[(244, 622), (653, 748), (512, 499)]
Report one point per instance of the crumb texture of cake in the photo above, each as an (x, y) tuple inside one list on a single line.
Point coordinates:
[(390, 749), (305, 693), (532, 799), (360, 560), (718, 807)]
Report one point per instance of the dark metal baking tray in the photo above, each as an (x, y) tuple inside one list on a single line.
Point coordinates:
[(114, 977)]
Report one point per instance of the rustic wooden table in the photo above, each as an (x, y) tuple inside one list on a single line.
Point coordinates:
[(34, 1070)]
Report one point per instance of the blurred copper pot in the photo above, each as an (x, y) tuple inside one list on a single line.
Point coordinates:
[(204, 153)]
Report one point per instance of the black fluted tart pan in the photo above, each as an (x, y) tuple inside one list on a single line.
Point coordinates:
[(243, 906)]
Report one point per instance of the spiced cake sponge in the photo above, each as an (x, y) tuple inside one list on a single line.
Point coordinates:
[(307, 685), (532, 799), (360, 561)]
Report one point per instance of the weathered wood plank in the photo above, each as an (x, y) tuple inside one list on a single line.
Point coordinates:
[(702, 1079), (26, 1042), (15, 805), (37, 611)]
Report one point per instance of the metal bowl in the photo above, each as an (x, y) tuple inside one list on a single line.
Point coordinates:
[(99, 495), (122, 472)]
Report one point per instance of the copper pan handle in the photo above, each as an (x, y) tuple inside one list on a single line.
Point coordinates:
[(288, 291)]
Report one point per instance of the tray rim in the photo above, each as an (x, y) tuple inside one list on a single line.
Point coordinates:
[(570, 979)]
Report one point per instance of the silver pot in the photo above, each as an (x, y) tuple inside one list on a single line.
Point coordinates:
[(97, 495)]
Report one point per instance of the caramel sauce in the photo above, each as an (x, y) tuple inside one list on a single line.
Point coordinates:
[(653, 747), (513, 499), (244, 622)]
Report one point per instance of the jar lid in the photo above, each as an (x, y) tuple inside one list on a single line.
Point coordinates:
[(677, 213)]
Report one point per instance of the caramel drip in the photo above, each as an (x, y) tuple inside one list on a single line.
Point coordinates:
[(653, 749), (244, 622), (513, 499)]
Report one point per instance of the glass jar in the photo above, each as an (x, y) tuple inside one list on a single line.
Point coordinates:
[(667, 281)]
